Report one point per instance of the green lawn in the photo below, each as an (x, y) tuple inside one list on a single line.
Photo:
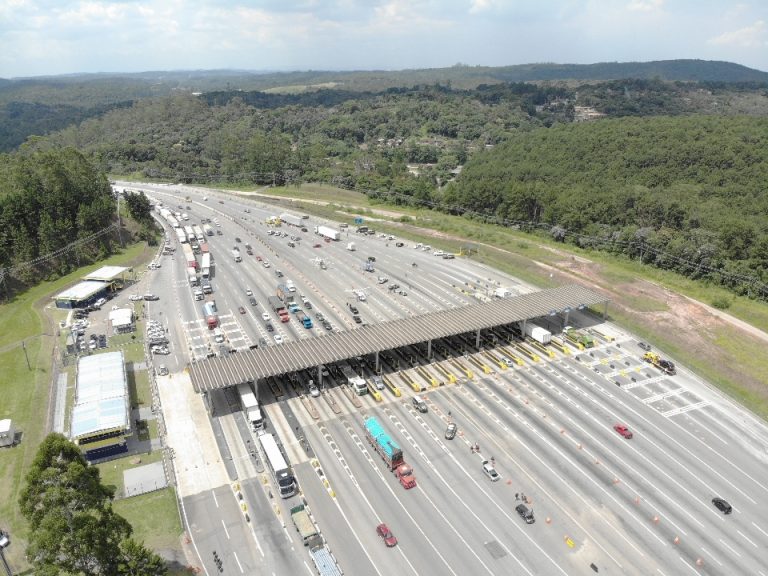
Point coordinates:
[(24, 392), (112, 471), (154, 517)]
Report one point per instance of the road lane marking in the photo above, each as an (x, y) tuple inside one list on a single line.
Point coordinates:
[(238, 561), (745, 538), (225, 528), (724, 543)]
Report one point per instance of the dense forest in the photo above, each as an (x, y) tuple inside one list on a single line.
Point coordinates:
[(687, 194), (38, 106), (668, 171), (49, 199)]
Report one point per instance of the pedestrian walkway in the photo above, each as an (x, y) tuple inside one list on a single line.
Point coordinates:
[(59, 416), (190, 437)]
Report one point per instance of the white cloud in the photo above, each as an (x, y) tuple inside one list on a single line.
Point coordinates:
[(476, 6), (645, 5), (753, 36)]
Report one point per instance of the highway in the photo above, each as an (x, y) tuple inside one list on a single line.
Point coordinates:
[(601, 502)]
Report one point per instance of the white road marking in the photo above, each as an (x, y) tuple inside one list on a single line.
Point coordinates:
[(238, 562), (745, 538), (225, 528)]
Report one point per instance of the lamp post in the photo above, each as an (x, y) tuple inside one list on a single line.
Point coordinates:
[(5, 541)]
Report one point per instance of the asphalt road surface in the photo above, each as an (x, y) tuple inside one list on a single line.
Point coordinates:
[(601, 502)]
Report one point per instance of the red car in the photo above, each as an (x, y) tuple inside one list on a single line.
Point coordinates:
[(623, 430), (386, 534), (258, 258), (317, 246), (241, 310)]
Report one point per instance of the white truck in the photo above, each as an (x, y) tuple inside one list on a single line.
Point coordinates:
[(250, 406), (291, 219), (502, 293), (327, 232), (541, 335), (355, 381), (351, 246), (192, 276), (290, 285), (236, 255)]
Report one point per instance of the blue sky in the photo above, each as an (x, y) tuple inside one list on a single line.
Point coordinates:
[(42, 37)]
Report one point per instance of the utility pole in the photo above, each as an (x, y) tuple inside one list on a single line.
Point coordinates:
[(24, 347), (119, 224)]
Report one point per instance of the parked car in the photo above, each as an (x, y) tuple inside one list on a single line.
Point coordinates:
[(386, 535)]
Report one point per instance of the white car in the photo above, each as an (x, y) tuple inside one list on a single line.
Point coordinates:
[(248, 292), (135, 297), (265, 316), (266, 264), (278, 339)]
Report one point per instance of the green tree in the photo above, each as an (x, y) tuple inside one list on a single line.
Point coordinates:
[(74, 528)]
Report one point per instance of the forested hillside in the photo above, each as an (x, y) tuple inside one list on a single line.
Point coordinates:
[(688, 194), (39, 106), (48, 199), (672, 172)]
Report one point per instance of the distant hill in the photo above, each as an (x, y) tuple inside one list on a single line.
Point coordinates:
[(39, 106)]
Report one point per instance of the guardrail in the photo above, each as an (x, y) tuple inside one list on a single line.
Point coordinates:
[(428, 378), (449, 375), (408, 382), (460, 367), (479, 364), (540, 347), (501, 364), (391, 386)]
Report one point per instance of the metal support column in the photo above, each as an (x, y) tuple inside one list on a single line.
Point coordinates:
[(429, 349), (477, 340)]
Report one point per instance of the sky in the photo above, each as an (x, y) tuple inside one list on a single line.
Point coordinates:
[(49, 37)]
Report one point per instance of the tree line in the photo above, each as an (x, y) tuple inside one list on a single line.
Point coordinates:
[(654, 173), (49, 198)]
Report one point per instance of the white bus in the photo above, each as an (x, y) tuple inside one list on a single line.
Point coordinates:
[(280, 469)]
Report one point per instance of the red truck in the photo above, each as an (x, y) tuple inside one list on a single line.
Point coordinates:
[(389, 451), (279, 307), (211, 316)]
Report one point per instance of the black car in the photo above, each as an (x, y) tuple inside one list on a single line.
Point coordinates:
[(450, 431), (525, 513), (353, 309), (253, 301), (327, 326), (320, 316), (644, 346), (399, 244), (357, 319), (237, 239), (270, 328), (722, 505)]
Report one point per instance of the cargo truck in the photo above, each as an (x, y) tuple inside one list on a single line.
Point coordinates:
[(236, 255), (198, 233), (192, 276), (284, 293), (206, 265), (327, 232), (182, 238), (541, 335), (211, 315), (189, 256), (324, 562), (578, 337), (389, 451), (351, 246), (279, 307), (354, 380), (304, 319), (208, 229), (304, 525), (666, 366), (291, 219), (250, 406)]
